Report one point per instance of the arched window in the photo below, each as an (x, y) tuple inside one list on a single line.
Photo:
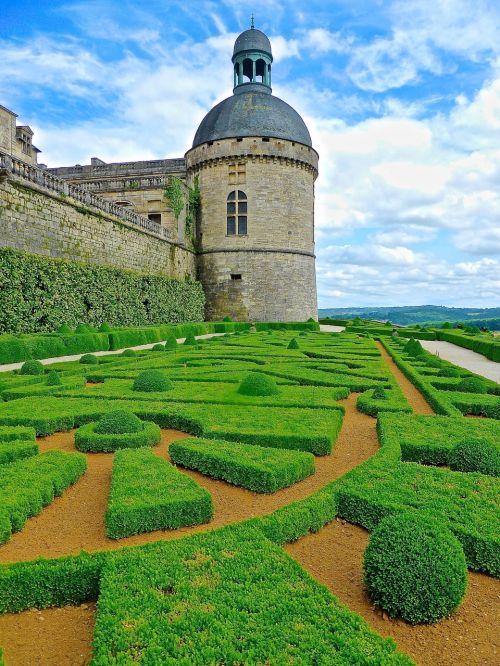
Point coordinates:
[(236, 213)]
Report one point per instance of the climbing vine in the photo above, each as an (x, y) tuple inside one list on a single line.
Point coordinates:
[(174, 195), (194, 200)]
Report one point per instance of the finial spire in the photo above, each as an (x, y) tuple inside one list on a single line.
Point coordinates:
[(252, 26)]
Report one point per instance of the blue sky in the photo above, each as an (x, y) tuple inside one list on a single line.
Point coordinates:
[(402, 98)]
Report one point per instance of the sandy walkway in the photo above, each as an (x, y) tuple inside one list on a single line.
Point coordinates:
[(464, 358), (327, 328)]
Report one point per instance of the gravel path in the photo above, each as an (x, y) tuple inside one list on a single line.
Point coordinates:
[(464, 358), (326, 328)]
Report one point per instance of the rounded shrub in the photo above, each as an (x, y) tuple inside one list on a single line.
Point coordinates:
[(293, 344), (89, 359), (152, 381), (53, 379), (413, 348), (447, 371), (227, 318), (190, 339), (472, 385), (118, 422), (475, 454), (158, 348), (31, 367), (128, 352), (303, 334), (256, 383), (105, 328), (171, 343), (64, 329), (414, 568), (82, 328)]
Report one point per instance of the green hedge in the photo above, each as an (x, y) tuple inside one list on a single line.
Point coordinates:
[(26, 486), (261, 469), (16, 450), (148, 493), (70, 292), (88, 440), (228, 597), (393, 402)]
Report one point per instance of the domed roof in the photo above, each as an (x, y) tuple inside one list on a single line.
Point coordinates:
[(252, 40), (252, 112)]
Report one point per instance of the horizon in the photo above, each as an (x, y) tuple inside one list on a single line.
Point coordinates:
[(402, 100)]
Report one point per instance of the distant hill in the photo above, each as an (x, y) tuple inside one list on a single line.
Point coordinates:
[(413, 314)]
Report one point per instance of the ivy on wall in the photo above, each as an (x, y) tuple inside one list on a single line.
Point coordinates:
[(40, 294)]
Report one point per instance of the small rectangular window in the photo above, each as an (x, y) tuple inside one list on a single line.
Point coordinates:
[(155, 217), (242, 207), (231, 225), (242, 225), (265, 138), (231, 207), (235, 276)]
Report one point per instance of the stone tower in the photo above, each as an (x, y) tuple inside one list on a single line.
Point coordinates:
[(256, 167)]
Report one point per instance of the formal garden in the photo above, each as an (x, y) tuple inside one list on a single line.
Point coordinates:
[(268, 495)]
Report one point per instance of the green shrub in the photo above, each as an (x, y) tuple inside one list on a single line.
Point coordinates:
[(128, 353), (475, 454), (449, 372), (89, 359), (190, 339), (53, 379), (105, 328), (227, 318), (472, 385), (158, 348), (83, 328), (148, 493), (293, 344), (88, 440), (256, 383), (415, 568), (379, 393), (261, 469), (152, 381), (65, 329), (413, 348), (32, 368), (118, 422), (171, 343)]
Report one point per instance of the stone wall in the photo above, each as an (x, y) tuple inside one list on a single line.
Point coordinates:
[(36, 219), (275, 259)]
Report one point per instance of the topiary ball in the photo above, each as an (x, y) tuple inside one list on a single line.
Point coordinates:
[(158, 348), (31, 368), (65, 329), (171, 343), (89, 359), (152, 381), (128, 352), (256, 383), (53, 379), (414, 568), (293, 344), (82, 328), (105, 328), (190, 339), (475, 454), (227, 318), (118, 422), (472, 385)]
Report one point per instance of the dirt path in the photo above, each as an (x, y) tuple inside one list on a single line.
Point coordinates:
[(417, 401), (75, 521), (334, 556)]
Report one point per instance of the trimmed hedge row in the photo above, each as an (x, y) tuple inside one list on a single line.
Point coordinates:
[(70, 292), (26, 486), (257, 468), (394, 401), (148, 493), (228, 597), (88, 440)]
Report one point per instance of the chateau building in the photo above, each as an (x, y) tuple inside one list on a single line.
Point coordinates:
[(253, 167)]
